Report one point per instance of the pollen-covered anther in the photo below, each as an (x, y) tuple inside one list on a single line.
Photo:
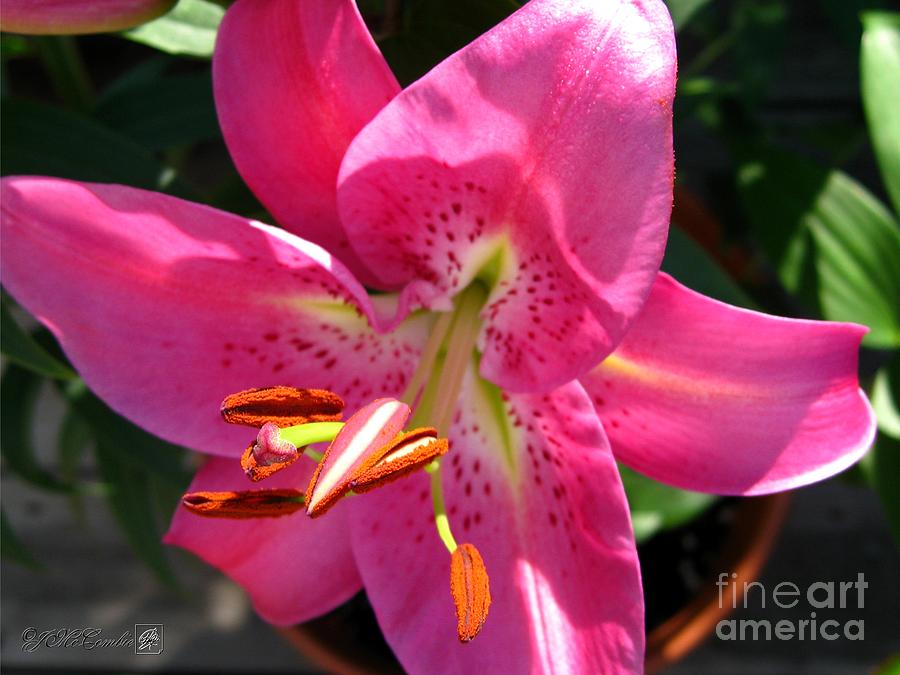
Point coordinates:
[(284, 406), (407, 452), (470, 589), (268, 454), (247, 504)]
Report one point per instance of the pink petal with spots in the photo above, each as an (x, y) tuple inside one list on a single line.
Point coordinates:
[(165, 307), (713, 398), (546, 147), (369, 429), (537, 492), (67, 17), (294, 568), (295, 80)]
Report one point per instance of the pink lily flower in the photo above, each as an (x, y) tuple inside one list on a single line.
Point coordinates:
[(513, 204), (67, 17)]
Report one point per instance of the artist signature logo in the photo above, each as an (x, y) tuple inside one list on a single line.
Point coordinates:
[(147, 638)]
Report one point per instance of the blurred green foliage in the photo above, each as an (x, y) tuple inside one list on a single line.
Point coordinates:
[(802, 224)]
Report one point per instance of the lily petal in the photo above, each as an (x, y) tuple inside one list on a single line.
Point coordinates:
[(539, 157), (295, 80), (293, 568), (714, 398), (166, 307), (536, 491), (69, 17)]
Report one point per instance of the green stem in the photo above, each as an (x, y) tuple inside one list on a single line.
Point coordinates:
[(447, 368), (709, 55), (461, 344), (66, 70), (429, 354), (441, 522), (313, 455)]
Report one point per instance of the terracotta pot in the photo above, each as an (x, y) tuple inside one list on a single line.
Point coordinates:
[(756, 525), (333, 646)]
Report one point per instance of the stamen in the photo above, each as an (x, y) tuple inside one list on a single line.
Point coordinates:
[(285, 406), (470, 588), (406, 453), (429, 355), (438, 402), (368, 429), (441, 521), (249, 504), (459, 356)]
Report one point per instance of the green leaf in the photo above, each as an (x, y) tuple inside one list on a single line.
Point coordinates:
[(833, 244), (189, 29), (890, 666), (691, 265), (762, 34), (886, 398), (42, 140), (844, 18), (132, 503), (431, 31), (880, 76), (18, 346), (12, 547), (140, 74), (74, 437), (164, 111), (656, 507), (885, 475), (19, 389), (136, 447), (683, 11), (14, 46)]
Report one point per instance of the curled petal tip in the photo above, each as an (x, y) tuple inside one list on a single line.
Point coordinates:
[(284, 406)]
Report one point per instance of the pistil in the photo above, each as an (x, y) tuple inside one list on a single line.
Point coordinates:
[(303, 435)]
